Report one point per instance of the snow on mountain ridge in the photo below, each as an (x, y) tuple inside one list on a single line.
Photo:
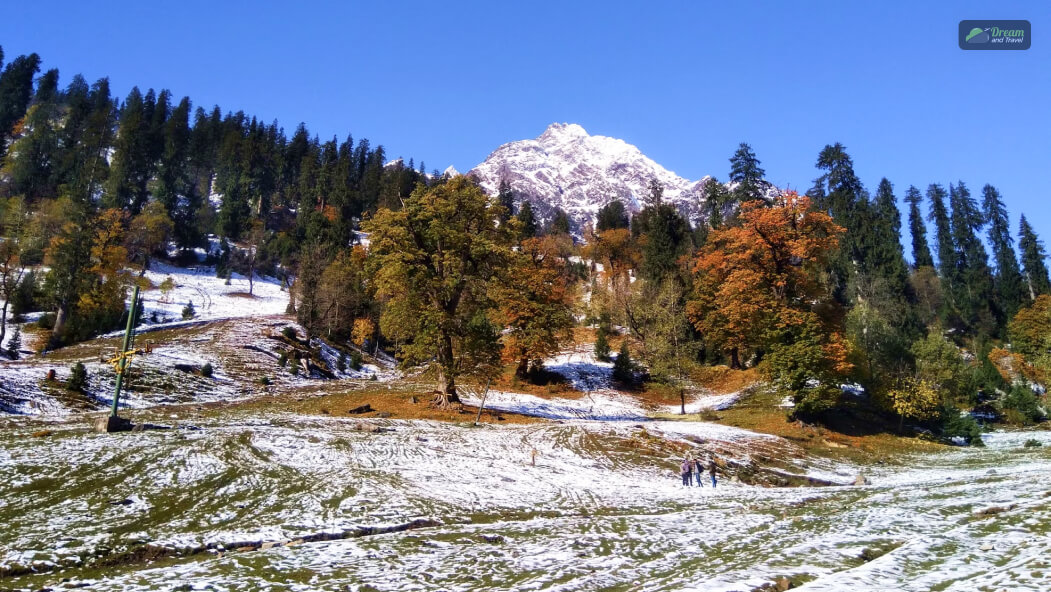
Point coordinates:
[(567, 168)]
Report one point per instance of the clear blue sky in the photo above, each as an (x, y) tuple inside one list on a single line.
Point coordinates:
[(685, 81)]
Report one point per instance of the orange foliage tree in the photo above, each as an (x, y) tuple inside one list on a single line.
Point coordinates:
[(758, 289), (534, 303)]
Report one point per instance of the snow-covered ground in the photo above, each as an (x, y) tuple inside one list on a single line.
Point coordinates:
[(593, 511), (212, 298)]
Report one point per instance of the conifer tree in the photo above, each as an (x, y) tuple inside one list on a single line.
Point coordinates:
[(1033, 260), (747, 174), (506, 198), (31, 162), (1009, 283), (939, 215), (559, 223), (130, 168), (839, 193), (16, 87), (921, 251), (974, 292), (172, 174), (88, 168), (612, 215), (527, 221)]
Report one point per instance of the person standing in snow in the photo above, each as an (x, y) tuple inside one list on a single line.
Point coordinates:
[(687, 471), (711, 470), (698, 465)]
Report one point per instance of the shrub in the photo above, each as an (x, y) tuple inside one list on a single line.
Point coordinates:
[(289, 332), (14, 345), (341, 363), (282, 360), (46, 321), (264, 380), (355, 360), (78, 378), (206, 370), (188, 311), (1032, 443), (1021, 406), (955, 425)]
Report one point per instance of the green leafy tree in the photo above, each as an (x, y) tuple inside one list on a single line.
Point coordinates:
[(432, 263)]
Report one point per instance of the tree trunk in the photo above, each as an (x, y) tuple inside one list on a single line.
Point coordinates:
[(682, 401), (523, 368), (446, 394), (735, 358), (61, 316), (3, 323)]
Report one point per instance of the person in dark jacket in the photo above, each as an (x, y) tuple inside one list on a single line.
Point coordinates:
[(711, 470), (687, 471), (698, 466)]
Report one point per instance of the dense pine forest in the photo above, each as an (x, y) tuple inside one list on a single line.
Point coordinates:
[(814, 290)]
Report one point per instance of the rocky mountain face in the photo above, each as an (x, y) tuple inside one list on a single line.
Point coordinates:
[(579, 173)]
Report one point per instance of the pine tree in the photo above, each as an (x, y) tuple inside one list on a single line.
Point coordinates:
[(527, 220), (88, 166), (32, 160), (506, 198), (623, 366), (559, 223), (1009, 283), (974, 293), (612, 215), (839, 193), (172, 174), (667, 237), (1033, 260), (130, 168), (16, 87), (921, 251), (747, 174), (602, 350), (939, 215)]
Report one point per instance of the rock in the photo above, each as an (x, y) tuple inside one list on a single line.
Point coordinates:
[(245, 549), (294, 542), (269, 545), (492, 538), (112, 423), (383, 414), (991, 472), (862, 480), (782, 583), (366, 408), (986, 547)]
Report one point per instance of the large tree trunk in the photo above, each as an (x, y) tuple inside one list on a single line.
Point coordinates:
[(446, 394), (735, 358), (61, 316)]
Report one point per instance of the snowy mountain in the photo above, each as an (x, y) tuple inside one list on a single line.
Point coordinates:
[(570, 169)]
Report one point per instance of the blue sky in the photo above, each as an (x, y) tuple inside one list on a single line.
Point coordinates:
[(685, 81)]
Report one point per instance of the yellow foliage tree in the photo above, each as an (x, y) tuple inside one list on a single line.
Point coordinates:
[(914, 399)]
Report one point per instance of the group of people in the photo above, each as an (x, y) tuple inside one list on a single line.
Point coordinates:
[(692, 465)]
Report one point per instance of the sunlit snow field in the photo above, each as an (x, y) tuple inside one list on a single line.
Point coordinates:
[(595, 512)]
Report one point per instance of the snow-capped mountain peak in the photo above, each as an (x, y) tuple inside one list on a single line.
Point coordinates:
[(567, 168)]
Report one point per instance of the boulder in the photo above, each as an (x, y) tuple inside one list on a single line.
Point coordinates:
[(862, 480)]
